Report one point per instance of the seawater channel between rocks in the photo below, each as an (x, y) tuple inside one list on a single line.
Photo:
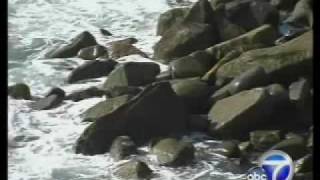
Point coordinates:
[(41, 142)]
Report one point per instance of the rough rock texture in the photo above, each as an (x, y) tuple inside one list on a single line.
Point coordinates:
[(194, 93), (85, 39), (119, 91), (284, 63), (171, 152), (195, 64), (93, 52), (132, 74), (302, 14), (105, 107), (122, 147), (19, 91), (155, 112), (182, 40), (134, 170), (237, 115), (170, 18), (92, 69)]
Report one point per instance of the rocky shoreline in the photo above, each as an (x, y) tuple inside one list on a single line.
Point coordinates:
[(239, 71)]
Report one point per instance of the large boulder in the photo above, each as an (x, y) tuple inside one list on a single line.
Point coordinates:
[(237, 115), (250, 14), (195, 64), (134, 170), (19, 91), (104, 108), (182, 40), (122, 147), (172, 152), (284, 63), (201, 12), (85, 39), (194, 93), (92, 69), (170, 18), (85, 94), (122, 90), (155, 112), (93, 52), (132, 74)]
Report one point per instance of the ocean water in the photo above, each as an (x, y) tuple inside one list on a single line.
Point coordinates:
[(41, 142)]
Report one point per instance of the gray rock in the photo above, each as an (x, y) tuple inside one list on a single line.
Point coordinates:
[(125, 49), (194, 93), (56, 91), (264, 139), (132, 74), (47, 103), (85, 39), (92, 69), (299, 92), (304, 164), (122, 147), (201, 12), (134, 170), (170, 18), (19, 91), (105, 108), (130, 40), (85, 94), (195, 64), (171, 152), (105, 32), (183, 40), (157, 112), (93, 52), (302, 14)]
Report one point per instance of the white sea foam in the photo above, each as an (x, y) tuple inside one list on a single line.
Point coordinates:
[(41, 142)]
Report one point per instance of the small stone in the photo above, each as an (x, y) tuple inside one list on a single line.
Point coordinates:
[(122, 147), (93, 52), (264, 139), (105, 32), (19, 91), (134, 170)]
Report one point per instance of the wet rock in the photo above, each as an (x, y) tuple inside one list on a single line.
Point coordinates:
[(134, 170), (119, 91), (85, 39), (295, 147), (165, 75), (198, 122), (105, 32), (251, 14), (19, 91), (237, 115), (195, 64), (182, 40), (132, 74), (245, 147), (277, 90), (289, 32), (92, 69), (47, 103), (302, 14), (229, 149), (157, 112), (104, 108), (170, 18), (201, 12), (304, 164), (93, 52), (264, 139), (283, 63), (125, 49), (85, 94), (122, 147), (172, 152), (194, 93), (56, 91)]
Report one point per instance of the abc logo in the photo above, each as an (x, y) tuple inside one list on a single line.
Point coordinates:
[(256, 173), (277, 165)]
